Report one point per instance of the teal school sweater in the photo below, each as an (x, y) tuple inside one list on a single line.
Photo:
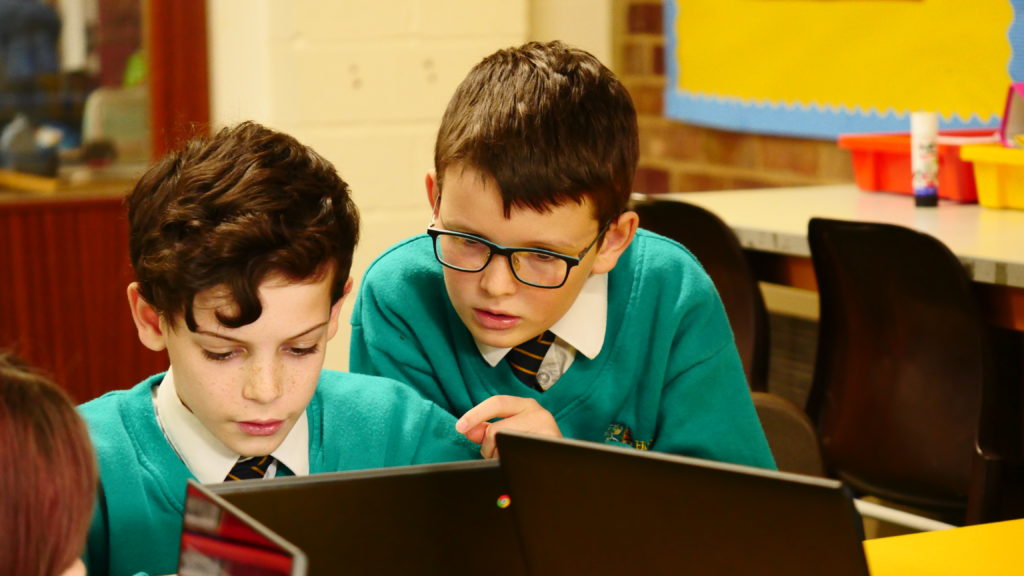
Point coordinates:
[(355, 422), (668, 378)]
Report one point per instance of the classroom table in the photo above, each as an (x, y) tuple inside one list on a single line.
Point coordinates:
[(771, 224), (979, 550)]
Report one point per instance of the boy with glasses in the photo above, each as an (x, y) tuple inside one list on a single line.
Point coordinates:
[(533, 302)]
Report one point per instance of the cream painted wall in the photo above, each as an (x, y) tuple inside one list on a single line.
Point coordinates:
[(366, 83), (586, 24)]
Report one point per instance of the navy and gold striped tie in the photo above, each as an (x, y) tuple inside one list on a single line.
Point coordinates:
[(525, 358), (250, 468)]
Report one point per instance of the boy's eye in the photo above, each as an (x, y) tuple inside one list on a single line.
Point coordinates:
[(304, 351), (218, 356), (536, 258), (468, 242)]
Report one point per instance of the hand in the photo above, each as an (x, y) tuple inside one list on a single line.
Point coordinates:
[(516, 413)]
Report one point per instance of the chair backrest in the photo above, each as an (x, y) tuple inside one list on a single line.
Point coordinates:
[(716, 247), (903, 363), (791, 434)]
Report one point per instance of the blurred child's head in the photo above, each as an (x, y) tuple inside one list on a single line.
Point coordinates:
[(537, 150), (242, 245), (48, 483), (549, 123)]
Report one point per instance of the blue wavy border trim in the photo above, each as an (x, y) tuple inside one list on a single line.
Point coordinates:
[(810, 121), (1016, 34)]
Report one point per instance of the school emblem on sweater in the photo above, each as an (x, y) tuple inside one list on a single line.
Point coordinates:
[(622, 434)]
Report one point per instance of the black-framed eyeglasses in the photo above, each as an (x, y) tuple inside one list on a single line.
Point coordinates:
[(531, 266)]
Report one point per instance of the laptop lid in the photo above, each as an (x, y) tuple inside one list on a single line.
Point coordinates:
[(450, 518), (586, 508), (218, 539)]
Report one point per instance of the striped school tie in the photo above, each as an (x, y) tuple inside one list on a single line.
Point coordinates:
[(525, 359), (250, 468)]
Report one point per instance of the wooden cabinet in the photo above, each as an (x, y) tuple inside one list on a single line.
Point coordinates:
[(64, 263), (64, 268)]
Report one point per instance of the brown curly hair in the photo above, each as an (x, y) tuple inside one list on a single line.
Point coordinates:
[(232, 209)]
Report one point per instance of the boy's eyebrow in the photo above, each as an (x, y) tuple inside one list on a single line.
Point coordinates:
[(295, 337), (555, 246)]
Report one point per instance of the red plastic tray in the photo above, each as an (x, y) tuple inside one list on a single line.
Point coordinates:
[(881, 163)]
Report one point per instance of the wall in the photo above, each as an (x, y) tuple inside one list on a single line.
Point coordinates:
[(587, 24), (366, 83), (682, 157)]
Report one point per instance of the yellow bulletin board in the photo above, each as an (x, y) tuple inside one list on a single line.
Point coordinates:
[(820, 68)]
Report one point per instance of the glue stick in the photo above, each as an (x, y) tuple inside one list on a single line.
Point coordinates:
[(924, 157)]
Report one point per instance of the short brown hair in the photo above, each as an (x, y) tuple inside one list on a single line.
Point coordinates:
[(232, 210), (48, 483), (549, 123)]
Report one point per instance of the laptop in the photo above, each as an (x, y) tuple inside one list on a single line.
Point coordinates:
[(452, 518), (218, 539), (587, 508)]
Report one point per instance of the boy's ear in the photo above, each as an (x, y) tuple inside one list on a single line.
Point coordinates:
[(147, 320), (616, 239), (432, 192), (332, 322)]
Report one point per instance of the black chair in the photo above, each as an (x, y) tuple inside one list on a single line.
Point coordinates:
[(790, 433), (716, 247), (903, 381), (794, 444)]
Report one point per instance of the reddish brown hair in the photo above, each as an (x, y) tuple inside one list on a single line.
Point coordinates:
[(47, 474), (232, 210), (549, 123)]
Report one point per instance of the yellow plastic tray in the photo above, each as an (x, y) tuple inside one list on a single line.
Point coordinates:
[(998, 174)]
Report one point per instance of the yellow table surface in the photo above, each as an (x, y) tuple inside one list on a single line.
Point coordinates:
[(983, 549)]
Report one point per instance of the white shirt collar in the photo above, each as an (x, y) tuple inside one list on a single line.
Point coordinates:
[(581, 328), (205, 456)]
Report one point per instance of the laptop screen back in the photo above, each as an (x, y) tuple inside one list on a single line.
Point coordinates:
[(218, 539), (434, 519), (586, 508)]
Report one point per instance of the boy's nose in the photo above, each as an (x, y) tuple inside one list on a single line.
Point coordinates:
[(263, 383), (497, 278)]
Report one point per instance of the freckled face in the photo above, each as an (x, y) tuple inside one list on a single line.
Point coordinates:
[(498, 309), (249, 385)]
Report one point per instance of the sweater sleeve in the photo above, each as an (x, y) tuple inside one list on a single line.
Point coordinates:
[(96, 556), (382, 347), (359, 422), (706, 407), (401, 305), (439, 441), (98, 541)]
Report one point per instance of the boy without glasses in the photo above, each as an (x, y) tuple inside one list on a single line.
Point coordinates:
[(533, 299), (242, 246)]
